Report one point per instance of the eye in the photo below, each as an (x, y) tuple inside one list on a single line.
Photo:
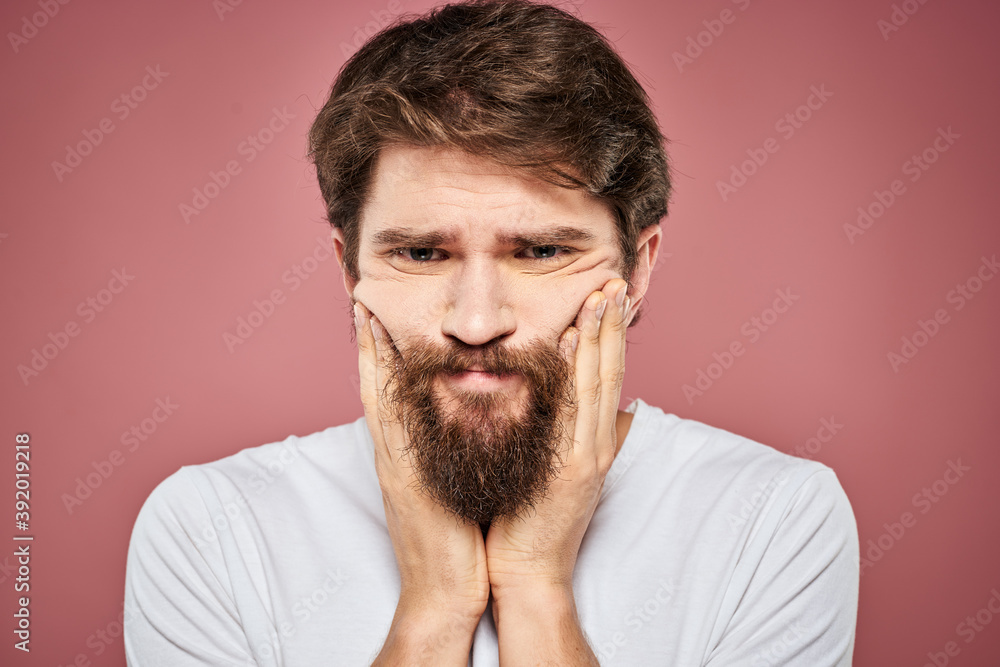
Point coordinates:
[(546, 251), (427, 255), (419, 255)]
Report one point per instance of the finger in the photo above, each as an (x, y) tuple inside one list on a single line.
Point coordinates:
[(382, 374), (368, 375), (612, 364), (392, 428), (588, 379), (568, 345)]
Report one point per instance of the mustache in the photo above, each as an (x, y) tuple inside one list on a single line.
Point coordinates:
[(429, 358)]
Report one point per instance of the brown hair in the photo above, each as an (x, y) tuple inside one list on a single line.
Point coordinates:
[(527, 85)]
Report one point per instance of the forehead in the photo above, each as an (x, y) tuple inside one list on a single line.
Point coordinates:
[(453, 192)]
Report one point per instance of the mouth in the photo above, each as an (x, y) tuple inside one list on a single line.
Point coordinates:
[(478, 380)]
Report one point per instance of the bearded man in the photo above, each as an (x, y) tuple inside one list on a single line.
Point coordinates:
[(495, 179)]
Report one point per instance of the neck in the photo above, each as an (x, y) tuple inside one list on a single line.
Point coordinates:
[(623, 423)]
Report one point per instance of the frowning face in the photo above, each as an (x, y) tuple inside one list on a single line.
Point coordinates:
[(456, 249), (475, 272)]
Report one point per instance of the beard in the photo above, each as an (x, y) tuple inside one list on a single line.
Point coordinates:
[(481, 455)]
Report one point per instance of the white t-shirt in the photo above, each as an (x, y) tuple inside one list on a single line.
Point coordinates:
[(706, 549)]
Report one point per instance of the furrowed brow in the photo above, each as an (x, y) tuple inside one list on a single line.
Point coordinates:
[(403, 237), (547, 237), (400, 236)]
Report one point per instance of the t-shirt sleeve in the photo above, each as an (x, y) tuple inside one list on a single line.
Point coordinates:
[(179, 607), (795, 592)]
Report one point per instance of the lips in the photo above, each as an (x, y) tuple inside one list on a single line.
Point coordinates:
[(477, 379)]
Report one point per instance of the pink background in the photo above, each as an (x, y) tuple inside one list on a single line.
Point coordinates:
[(162, 335)]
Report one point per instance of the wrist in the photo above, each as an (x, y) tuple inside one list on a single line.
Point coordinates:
[(428, 636), (540, 625), (455, 596), (535, 602), (542, 586), (428, 613)]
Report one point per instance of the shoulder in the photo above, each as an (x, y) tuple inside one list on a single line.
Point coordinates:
[(777, 530), (700, 447), (201, 558), (750, 483), (195, 497)]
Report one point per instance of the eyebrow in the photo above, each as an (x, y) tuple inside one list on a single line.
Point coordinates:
[(401, 236)]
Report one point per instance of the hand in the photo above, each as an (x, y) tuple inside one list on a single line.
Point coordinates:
[(531, 559), (444, 586)]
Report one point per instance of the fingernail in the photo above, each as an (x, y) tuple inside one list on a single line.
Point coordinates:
[(574, 340), (626, 310), (377, 330), (357, 316), (620, 297), (600, 309)]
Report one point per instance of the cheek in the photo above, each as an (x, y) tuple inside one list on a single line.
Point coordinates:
[(402, 309), (554, 308)]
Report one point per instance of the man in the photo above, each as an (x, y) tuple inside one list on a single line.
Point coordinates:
[(495, 179)]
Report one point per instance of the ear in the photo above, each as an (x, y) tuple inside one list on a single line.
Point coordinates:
[(338, 249), (647, 249)]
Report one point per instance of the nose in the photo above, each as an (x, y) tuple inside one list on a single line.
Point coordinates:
[(477, 305)]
